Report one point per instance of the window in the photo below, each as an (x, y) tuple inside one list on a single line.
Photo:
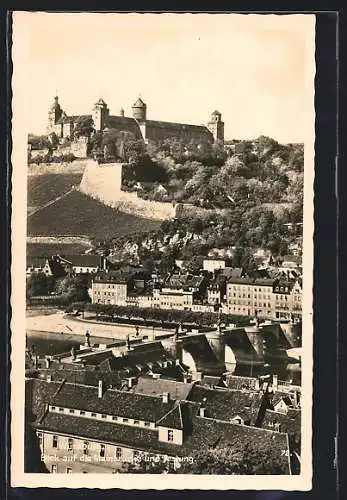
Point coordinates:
[(68, 470), (114, 417), (55, 442), (82, 412), (102, 450), (147, 424), (40, 436), (85, 447), (71, 411), (103, 416), (54, 469), (125, 420), (70, 444), (136, 422), (170, 435), (93, 414), (118, 453), (52, 408), (61, 409)]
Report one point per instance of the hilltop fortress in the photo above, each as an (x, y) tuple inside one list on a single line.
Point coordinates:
[(142, 128)]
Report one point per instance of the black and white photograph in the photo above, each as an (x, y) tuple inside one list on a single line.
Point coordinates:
[(162, 229)]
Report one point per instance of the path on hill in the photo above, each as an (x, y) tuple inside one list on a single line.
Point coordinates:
[(51, 202)]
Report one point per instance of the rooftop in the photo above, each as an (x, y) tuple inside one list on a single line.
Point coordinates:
[(156, 387), (226, 404)]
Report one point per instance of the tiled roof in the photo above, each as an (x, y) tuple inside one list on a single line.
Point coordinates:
[(83, 376), (73, 118), (124, 123), (156, 387), (238, 382), (251, 281), (173, 419), (232, 272), (113, 402), (211, 381), (225, 404), (175, 126), (84, 260), (139, 103), (112, 277), (36, 262), (37, 393), (204, 434), (290, 423)]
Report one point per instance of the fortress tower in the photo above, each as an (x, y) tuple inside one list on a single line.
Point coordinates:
[(100, 115), (139, 110), (54, 114), (216, 126)]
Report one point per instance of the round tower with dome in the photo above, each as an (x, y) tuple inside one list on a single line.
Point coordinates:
[(139, 110)]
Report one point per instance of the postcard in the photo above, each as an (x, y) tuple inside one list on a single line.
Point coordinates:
[(162, 250)]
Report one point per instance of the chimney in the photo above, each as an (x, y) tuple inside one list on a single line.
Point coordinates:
[(47, 362), (178, 362), (49, 378), (130, 382), (104, 263), (165, 397), (275, 382), (100, 389), (36, 361), (185, 378), (202, 411)]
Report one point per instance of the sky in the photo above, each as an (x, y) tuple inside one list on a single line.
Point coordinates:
[(255, 69)]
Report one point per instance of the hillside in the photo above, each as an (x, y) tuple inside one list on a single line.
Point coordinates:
[(43, 188), (78, 214)]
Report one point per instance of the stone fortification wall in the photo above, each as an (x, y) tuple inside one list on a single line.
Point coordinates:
[(75, 167), (103, 183), (77, 148)]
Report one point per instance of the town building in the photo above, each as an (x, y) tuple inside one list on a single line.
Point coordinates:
[(111, 288), (83, 264), (266, 298), (84, 429), (138, 125), (212, 264), (47, 266)]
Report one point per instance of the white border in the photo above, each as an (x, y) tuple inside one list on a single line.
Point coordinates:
[(20, 57)]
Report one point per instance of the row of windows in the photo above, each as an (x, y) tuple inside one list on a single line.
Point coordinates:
[(99, 285), (102, 416)]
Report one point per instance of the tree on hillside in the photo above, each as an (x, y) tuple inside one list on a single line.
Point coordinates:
[(83, 127), (74, 289), (39, 284)]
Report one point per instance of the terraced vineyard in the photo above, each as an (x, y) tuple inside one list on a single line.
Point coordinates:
[(78, 214), (47, 187)]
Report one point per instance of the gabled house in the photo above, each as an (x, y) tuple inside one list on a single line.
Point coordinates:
[(108, 429)]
